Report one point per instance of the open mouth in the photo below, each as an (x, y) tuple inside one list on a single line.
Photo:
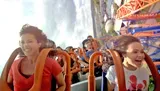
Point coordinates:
[(138, 60)]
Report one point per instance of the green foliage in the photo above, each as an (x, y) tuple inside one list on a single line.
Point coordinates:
[(151, 84), (158, 20), (115, 6), (103, 31), (112, 33), (145, 10), (96, 3)]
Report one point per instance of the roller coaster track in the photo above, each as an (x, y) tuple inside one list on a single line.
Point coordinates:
[(142, 16), (144, 25), (145, 34), (133, 6), (135, 30)]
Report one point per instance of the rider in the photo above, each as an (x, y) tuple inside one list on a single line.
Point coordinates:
[(21, 75), (132, 53)]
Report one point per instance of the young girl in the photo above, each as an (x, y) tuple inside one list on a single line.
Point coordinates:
[(136, 76), (21, 74)]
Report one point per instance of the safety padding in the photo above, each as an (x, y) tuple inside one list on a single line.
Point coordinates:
[(67, 69), (119, 70), (38, 69), (91, 77), (3, 80), (154, 72)]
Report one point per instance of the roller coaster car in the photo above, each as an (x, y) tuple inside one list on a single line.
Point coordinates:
[(38, 70)]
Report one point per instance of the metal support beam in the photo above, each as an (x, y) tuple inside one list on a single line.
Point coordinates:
[(141, 16), (133, 6)]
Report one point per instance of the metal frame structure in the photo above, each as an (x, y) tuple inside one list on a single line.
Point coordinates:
[(144, 25), (142, 16), (135, 30), (133, 6), (145, 34)]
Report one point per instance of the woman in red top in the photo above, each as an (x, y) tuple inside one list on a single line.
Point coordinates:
[(22, 70)]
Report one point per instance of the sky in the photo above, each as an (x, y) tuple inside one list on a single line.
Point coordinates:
[(67, 22)]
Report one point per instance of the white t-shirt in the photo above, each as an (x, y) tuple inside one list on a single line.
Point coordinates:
[(137, 80)]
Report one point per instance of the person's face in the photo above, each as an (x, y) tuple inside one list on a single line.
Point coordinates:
[(108, 59), (134, 54), (70, 50), (29, 44), (89, 45)]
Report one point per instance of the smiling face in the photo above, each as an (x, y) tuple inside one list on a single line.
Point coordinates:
[(88, 45), (134, 54), (29, 44)]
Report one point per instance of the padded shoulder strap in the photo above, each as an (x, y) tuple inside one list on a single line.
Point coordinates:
[(39, 69), (154, 71), (3, 80), (119, 70)]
